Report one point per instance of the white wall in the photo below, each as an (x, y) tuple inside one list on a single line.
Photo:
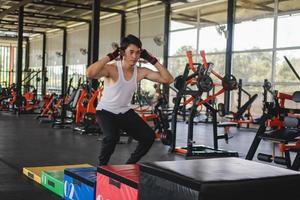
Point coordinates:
[(35, 53), (54, 43), (77, 38), (110, 31), (152, 24)]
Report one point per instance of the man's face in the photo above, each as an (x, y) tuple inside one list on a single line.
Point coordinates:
[(132, 54)]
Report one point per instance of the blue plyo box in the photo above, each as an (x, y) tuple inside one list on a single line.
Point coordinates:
[(80, 183)]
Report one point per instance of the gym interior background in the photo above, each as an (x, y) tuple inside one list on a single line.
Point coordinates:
[(245, 38)]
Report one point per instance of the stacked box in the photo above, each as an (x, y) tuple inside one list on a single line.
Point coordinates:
[(54, 181), (80, 183), (216, 178), (35, 173), (116, 182)]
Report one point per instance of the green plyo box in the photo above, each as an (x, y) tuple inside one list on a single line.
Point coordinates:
[(54, 181)]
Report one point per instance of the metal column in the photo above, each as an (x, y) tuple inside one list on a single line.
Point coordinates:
[(123, 26), (230, 30), (89, 45), (273, 73), (44, 70), (95, 36), (166, 43), (27, 52), (64, 74), (95, 31), (20, 50)]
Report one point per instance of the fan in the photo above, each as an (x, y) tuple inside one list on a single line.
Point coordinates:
[(83, 51), (221, 29), (114, 45), (158, 40)]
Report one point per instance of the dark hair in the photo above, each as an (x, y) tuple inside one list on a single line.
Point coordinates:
[(130, 39)]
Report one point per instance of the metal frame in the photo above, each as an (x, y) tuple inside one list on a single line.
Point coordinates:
[(35, 25), (47, 16), (166, 43), (64, 74), (16, 30), (44, 70), (27, 48), (123, 26), (89, 44), (19, 53), (276, 4), (75, 5), (62, 4), (95, 31), (229, 45), (13, 8)]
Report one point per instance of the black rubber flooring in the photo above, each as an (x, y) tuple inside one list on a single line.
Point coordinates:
[(24, 142)]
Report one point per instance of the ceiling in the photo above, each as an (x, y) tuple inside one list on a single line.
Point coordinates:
[(44, 15)]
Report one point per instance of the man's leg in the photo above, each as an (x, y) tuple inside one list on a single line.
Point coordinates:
[(111, 132), (135, 126)]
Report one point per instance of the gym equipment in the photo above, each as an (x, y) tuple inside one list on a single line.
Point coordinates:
[(60, 119), (237, 118), (200, 72), (54, 181), (216, 178), (80, 183), (160, 118), (85, 111), (118, 182), (34, 173), (284, 124)]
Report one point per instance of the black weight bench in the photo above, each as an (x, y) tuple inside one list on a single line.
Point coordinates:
[(282, 135), (217, 179)]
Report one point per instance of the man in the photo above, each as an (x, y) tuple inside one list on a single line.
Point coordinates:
[(120, 83)]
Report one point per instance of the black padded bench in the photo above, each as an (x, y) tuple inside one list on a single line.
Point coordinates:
[(282, 135), (217, 179), (227, 124)]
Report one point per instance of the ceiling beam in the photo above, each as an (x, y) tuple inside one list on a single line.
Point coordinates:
[(190, 18), (47, 16), (256, 6), (36, 25), (14, 7), (16, 30), (75, 5), (62, 4)]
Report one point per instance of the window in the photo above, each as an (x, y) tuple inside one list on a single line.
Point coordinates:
[(256, 34), (180, 41), (252, 67), (178, 25), (284, 74), (213, 39), (288, 31)]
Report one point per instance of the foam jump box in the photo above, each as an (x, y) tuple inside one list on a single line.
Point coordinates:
[(216, 178), (80, 183), (35, 173), (54, 181), (116, 182)]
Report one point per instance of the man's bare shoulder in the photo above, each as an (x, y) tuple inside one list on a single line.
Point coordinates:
[(111, 69)]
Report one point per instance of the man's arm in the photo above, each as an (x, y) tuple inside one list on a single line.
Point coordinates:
[(161, 76), (100, 68)]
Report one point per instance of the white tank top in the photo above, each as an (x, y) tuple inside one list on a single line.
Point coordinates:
[(117, 97)]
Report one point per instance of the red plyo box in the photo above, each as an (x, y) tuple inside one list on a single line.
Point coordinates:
[(117, 182)]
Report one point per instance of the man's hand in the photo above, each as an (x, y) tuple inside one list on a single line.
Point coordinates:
[(114, 54), (146, 56)]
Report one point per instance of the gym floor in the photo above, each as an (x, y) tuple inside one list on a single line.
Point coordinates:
[(24, 142)]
